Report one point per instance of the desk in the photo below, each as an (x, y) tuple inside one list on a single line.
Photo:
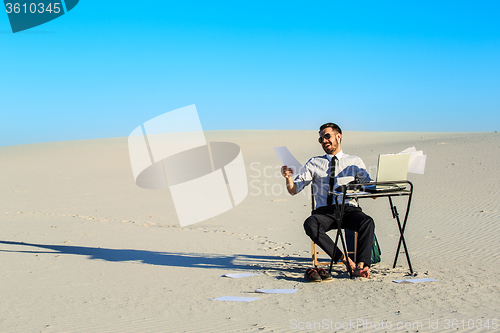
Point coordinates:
[(395, 214)]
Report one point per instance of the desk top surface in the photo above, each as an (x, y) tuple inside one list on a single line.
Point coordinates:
[(376, 195)]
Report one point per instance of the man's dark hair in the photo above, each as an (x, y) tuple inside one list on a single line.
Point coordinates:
[(333, 126)]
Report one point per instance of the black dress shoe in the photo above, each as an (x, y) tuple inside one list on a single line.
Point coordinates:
[(312, 275), (323, 274)]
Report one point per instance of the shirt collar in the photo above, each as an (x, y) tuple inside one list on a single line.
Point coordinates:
[(339, 156)]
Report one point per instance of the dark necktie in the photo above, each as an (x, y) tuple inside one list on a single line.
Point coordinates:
[(329, 198)]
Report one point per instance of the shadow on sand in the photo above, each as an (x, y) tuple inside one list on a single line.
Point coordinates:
[(199, 260)]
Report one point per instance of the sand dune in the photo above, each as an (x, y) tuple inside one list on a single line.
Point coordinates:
[(83, 249)]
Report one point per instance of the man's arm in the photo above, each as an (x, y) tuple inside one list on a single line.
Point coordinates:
[(290, 185), (361, 174)]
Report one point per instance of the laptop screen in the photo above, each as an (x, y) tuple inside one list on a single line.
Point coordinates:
[(392, 167)]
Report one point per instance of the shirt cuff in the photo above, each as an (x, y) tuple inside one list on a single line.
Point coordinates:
[(300, 185)]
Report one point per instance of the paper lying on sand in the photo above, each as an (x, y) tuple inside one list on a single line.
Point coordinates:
[(239, 275), (415, 280), (416, 164), (289, 160), (234, 299), (276, 291)]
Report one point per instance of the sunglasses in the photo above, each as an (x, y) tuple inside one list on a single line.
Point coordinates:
[(327, 136)]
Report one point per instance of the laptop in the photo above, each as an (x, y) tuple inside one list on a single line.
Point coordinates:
[(391, 167)]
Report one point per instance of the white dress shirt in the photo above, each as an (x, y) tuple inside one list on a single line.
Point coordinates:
[(317, 171)]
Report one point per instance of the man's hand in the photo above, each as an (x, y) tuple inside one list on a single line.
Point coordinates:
[(286, 171), (290, 185)]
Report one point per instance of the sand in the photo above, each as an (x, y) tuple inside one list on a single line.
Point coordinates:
[(83, 249)]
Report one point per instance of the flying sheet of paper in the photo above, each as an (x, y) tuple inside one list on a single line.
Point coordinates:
[(416, 164), (415, 280), (276, 291), (288, 159), (239, 275), (234, 299)]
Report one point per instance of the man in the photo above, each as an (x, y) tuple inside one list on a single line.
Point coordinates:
[(345, 168)]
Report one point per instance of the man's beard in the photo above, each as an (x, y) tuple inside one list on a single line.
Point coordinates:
[(329, 150)]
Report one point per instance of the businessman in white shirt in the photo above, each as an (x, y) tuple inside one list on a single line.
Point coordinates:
[(345, 168)]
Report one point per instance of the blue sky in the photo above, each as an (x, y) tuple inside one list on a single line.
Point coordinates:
[(108, 66)]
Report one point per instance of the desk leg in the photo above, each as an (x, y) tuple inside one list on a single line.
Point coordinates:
[(395, 214), (339, 233)]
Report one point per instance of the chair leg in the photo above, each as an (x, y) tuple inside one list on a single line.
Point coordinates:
[(315, 251), (314, 255), (355, 246)]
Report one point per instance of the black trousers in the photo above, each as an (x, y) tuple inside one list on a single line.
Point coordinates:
[(323, 219)]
